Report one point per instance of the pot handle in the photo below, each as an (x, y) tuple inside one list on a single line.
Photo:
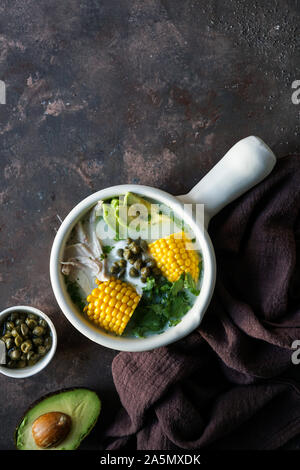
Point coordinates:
[(247, 163)]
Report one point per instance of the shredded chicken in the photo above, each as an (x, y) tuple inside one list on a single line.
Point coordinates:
[(85, 255)]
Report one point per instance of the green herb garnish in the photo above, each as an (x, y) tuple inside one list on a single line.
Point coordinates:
[(162, 304), (149, 284), (190, 284), (107, 249), (74, 293)]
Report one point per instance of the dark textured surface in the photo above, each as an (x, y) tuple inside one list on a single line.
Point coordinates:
[(108, 92)]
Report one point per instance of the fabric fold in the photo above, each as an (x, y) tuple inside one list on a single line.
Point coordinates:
[(231, 384)]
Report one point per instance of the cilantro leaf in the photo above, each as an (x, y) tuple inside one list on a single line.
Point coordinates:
[(75, 294), (107, 249), (190, 284), (163, 304), (177, 285), (150, 283)]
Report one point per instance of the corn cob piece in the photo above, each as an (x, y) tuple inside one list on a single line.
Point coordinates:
[(174, 255), (111, 305)]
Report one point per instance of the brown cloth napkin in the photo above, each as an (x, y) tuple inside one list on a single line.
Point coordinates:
[(231, 384)]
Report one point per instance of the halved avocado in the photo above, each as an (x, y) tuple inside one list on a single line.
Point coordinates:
[(81, 404)]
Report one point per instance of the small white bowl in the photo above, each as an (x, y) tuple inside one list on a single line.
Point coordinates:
[(42, 363)]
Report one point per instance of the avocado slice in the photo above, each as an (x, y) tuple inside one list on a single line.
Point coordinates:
[(149, 214), (142, 210), (109, 216), (110, 212), (81, 404), (131, 198)]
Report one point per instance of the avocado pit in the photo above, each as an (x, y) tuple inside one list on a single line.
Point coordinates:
[(50, 429)]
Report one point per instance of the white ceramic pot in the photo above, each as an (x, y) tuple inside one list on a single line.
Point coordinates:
[(247, 163), (42, 363)]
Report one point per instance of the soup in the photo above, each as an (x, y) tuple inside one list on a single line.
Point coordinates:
[(131, 266)]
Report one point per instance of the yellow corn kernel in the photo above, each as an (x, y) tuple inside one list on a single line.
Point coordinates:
[(112, 304), (174, 256)]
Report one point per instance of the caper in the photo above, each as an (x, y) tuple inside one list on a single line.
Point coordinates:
[(43, 323), (42, 350), (9, 343), (18, 341), (32, 316), (9, 325), (156, 272), (7, 335), (132, 260), (31, 323), (48, 342), (133, 272), (129, 240), (114, 269), (26, 346), (122, 272), (11, 364), (18, 322), (37, 341), (38, 331), (15, 332), (13, 316), (145, 272), (33, 360), (144, 245), (139, 264), (127, 253), (143, 279), (151, 263), (21, 364), (135, 249), (120, 252), (14, 354), (24, 329), (122, 263), (29, 355)]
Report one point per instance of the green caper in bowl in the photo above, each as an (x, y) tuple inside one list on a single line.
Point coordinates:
[(27, 336)]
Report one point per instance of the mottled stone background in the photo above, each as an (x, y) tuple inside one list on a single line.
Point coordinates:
[(102, 92)]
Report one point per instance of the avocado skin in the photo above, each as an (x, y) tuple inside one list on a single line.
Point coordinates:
[(49, 395)]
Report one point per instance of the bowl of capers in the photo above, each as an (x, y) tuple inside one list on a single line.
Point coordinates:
[(27, 341)]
